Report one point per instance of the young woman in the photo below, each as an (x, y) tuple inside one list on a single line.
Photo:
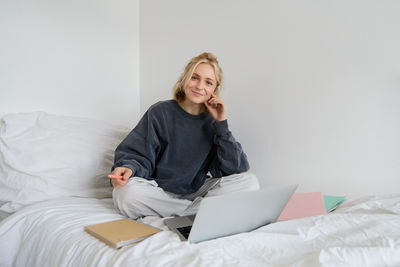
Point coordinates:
[(181, 150)]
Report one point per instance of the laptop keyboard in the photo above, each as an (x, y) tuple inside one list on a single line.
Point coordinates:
[(185, 231)]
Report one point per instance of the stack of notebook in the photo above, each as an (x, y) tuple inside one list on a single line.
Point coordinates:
[(309, 204)]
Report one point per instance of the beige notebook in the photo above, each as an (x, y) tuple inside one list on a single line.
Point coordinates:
[(121, 232)]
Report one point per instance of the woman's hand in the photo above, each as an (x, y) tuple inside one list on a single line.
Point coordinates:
[(120, 176), (216, 107)]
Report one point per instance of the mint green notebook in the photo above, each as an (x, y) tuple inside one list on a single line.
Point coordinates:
[(331, 202)]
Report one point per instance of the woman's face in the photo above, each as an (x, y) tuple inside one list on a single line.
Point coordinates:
[(201, 85)]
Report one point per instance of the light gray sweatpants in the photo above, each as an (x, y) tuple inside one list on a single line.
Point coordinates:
[(141, 197)]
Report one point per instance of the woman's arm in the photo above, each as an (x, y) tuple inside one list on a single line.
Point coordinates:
[(228, 157), (138, 150)]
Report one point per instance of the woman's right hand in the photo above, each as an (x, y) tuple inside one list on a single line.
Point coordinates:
[(120, 176)]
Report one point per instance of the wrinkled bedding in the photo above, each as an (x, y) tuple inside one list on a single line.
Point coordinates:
[(361, 232)]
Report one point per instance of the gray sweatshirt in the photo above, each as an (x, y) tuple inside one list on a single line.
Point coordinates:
[(177, 149)]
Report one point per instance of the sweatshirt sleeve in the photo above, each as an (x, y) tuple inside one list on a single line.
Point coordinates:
[(139, 149), (229, 156)]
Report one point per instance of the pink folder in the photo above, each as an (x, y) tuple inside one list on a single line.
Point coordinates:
[(303, 205)]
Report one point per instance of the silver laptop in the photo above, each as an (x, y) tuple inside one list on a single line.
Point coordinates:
[(232, 214)]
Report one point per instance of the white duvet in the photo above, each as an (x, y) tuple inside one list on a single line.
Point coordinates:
[(361, 232)]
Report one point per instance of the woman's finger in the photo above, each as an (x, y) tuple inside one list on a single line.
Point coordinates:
[(214, 101), (113, 176)]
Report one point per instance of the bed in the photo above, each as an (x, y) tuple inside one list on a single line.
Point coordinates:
[(53, 183)]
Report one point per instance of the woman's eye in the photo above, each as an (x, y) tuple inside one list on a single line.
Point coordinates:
[(209, 83), (194, 78)]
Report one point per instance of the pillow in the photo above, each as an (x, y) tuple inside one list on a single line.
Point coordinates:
[(45, 156)]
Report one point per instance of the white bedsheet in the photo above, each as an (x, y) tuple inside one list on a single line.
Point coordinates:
[(361, 232)]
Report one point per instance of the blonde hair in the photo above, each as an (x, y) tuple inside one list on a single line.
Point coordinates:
[(179, 88)]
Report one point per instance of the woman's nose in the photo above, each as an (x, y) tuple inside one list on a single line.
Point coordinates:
[(200, 85)]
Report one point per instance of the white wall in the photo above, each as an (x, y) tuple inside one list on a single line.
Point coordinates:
[(73, 57), (312, 87)]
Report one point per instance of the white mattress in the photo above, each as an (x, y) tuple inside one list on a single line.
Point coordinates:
[(361, 232)]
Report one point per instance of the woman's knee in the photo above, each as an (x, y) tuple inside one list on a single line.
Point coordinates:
[(130, 200), (234, 183), (242, 181), (252, 181)]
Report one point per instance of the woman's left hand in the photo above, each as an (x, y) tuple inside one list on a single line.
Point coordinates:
[(216, 107)]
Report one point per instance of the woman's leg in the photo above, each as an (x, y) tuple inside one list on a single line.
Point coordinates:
[(234, 183), (218, 186), (141, 197)]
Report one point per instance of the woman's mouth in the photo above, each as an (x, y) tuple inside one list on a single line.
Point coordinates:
[(197, 94)]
